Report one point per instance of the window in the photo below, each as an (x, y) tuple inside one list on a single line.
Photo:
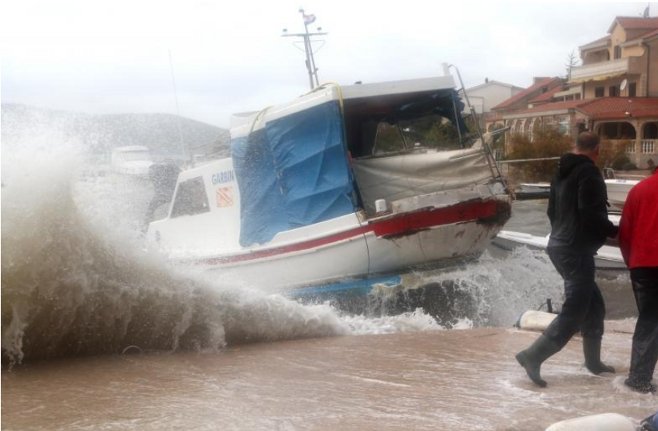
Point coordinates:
[(617, 53), (632, 89), (190, 198), (626, 130), (650, 131), (609, 131), (383, 126), (613, 91), (389, 139), (563, 126), (599, 91), (431, 131)]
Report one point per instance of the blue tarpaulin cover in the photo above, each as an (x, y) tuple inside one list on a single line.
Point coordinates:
[(293, 173)]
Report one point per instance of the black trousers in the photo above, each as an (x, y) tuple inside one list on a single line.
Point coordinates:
[(583, 309), (644, 353)]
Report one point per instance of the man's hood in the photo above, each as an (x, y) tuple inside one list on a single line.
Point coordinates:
[(570, 161)]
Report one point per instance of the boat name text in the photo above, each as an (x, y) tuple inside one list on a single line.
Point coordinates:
[(223, 177)]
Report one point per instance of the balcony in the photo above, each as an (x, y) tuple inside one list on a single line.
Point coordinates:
[(646, 146), (649, 146), (605, 69)]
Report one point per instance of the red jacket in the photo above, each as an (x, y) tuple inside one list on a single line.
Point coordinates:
[(638, 228)]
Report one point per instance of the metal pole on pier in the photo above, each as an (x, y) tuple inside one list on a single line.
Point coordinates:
[(308, 47)]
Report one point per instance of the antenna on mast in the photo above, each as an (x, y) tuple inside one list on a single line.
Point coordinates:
[(308, 46)]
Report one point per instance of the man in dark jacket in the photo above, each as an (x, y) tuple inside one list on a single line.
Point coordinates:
[(577, 209), (163, 176)]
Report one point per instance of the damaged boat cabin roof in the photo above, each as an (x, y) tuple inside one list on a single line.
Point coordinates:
[(376, 99)]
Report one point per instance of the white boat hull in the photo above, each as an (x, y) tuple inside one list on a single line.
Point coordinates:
[(607, 257), (617, 191), (366, 249)]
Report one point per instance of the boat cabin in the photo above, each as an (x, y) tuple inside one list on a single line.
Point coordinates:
[(337, 156)]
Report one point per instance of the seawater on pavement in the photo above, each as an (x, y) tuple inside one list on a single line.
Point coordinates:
[(78, 289)]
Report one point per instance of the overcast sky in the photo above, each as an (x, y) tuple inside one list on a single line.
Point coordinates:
[(102, 56)]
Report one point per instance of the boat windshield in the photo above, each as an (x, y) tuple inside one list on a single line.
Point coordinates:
[(386, 125), (190, 198), (427, 132)]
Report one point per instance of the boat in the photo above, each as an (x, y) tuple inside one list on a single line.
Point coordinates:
[(617, 191), (532, 191), (337, 190), (607, 257), (132, 160)]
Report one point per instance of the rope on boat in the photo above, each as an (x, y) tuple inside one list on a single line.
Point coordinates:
[(258, 116), (338, 88)]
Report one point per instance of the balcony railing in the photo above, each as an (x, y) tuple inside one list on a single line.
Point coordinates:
[(604, 69), (649, 146), (646, 146)]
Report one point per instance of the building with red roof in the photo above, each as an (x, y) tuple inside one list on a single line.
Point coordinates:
[(613, 93), (485, 96), (520, 100)]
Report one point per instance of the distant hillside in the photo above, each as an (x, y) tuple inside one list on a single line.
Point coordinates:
[(161, 133)]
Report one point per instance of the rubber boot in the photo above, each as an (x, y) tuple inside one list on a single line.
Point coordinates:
[(592, 350), (641, 386), (532, 358)]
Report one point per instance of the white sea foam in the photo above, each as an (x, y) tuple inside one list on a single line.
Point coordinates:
[(77, 278), (417, 320), (494, 291)]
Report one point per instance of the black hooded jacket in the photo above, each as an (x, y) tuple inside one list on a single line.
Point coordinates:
[(577, 207)]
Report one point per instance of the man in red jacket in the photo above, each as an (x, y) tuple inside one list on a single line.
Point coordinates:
[(638, 241)]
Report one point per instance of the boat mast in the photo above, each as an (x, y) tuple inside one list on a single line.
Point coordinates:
[(184, 149), (308, 47)]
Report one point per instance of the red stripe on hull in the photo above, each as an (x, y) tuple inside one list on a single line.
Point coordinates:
[(423, 219), (399, 225)]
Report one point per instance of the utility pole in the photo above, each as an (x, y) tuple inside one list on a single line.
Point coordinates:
[(308, 47)]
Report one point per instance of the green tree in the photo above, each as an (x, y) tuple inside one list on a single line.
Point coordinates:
[(613, 155), (547, 141), (572, 61)]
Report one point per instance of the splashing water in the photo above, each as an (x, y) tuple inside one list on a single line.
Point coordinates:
[(77, 279), (492, 291), (73, 286), (500, 289)]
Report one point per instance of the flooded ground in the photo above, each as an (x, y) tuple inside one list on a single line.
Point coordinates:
[(450, 380)]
